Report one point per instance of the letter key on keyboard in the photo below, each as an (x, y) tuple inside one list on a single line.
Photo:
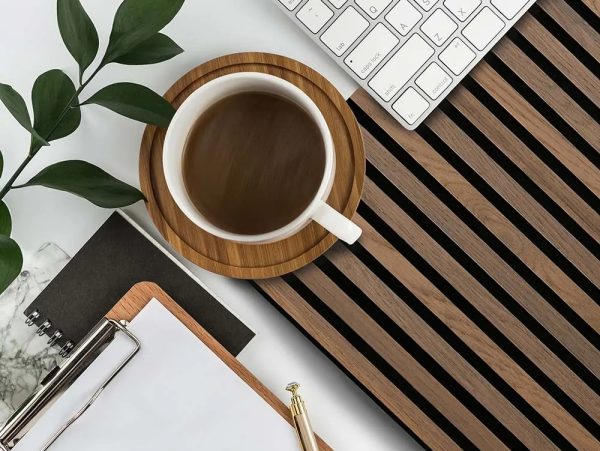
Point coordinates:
[(315, 14), (373, 7), (403, 17), (462, 9), (439, 27)]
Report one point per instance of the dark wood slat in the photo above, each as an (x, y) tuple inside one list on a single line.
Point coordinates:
[(560, 56), (398, 357), (369, 376), (512, 192), (478, 205), (432, 344), (469, 332), (554, 96), (579, 29), (528, 162), (534, 122), (552, 411), (481, 253), (379, 202)]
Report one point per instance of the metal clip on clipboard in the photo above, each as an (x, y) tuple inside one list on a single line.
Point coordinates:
[(61, 377)]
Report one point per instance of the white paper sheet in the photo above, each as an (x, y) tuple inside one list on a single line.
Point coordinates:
[(175, 395)]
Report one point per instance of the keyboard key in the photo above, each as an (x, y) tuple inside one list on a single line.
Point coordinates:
[(426, 4), (403, 17), (338, 3), (462, 9), (509, 8), (290, 4), (439, 27), (314, 14), (371, 51), (483, 28), (411, 105), (434, 80), (457, 56), (401, 67), (373, 7), (344, 31)]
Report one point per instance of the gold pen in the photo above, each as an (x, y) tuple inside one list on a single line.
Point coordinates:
[(306, 436)]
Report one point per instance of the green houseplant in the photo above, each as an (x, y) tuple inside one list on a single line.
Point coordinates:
[(135, 39)]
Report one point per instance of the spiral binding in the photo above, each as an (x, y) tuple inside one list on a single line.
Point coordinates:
[(32, 320)]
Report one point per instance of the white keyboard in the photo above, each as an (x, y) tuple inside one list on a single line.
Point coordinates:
[(408, 54)]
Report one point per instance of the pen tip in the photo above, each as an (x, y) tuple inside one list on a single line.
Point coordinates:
[(293, 387)]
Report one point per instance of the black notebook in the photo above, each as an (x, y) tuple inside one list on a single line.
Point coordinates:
[(116, 257)]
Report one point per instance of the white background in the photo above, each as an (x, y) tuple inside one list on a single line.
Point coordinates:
[(30, 44)]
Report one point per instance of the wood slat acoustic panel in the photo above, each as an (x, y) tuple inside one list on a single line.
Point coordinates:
[(470, 308)]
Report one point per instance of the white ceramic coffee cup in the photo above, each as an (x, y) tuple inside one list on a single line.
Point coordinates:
[(206, 96)]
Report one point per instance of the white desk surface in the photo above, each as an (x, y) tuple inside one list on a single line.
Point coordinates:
[(31, 44)]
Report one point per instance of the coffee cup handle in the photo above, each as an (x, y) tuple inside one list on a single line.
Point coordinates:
[(336, 223)]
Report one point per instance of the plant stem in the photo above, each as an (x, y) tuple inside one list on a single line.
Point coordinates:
[(9, 184)]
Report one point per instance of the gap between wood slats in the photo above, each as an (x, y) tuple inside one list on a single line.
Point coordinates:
[(399, 358), (485, 212), (351, 361)]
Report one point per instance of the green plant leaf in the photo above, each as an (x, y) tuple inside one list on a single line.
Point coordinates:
[(88, 181), (78, 33), (11, 261), (15, 104), (153, 50), (5, 220), (52, 93), (135, 102), (135, 22)]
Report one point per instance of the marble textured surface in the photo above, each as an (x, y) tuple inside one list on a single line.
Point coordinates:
[(25, 358)]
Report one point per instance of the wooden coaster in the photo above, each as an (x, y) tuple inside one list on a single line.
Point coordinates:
[(255, 261)]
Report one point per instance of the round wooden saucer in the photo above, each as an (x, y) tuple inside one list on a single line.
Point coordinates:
[(252, 261)]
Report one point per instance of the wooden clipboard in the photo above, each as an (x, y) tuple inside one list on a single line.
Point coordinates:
[(138, 297)]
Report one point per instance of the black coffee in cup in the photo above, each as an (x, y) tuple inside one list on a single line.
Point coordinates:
[(253, 162)]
